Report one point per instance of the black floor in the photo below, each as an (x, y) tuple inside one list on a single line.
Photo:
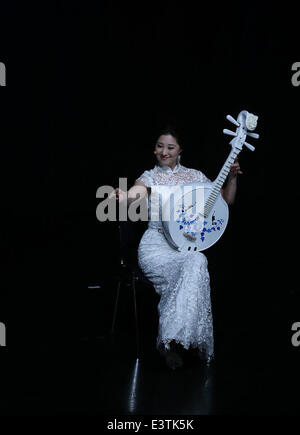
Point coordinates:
[(86, 371), (99, 377)]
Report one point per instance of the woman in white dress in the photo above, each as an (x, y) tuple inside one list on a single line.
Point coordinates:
[(181, 279)]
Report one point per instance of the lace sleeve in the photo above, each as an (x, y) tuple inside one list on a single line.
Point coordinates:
[(204, 178), (146, 178), (201, 177)]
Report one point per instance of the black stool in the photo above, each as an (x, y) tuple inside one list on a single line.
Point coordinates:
[(129, 272)]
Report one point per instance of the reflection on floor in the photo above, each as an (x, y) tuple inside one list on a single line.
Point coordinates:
[(101, 376), (71, 364)]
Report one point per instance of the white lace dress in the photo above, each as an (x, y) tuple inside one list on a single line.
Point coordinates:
[(180, 278)]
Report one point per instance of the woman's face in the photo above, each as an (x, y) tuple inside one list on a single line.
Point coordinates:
[(167, 150)]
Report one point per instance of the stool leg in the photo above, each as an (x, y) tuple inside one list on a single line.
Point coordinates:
[(116, 307), (136, 317)]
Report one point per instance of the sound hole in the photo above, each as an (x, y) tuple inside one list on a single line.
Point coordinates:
[(189, 248), (195, 248)]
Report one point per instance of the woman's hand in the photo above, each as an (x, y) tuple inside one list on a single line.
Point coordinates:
[(119, 194), (139, 190), (235, 169)]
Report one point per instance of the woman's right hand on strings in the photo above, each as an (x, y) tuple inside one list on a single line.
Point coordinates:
[(119, 194)]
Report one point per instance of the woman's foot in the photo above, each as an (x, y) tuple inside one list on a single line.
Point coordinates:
[(173, 360), (172, 357)]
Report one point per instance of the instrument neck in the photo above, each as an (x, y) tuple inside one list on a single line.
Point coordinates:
[(219, 181)]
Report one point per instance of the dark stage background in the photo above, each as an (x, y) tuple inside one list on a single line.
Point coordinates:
[(88, 86)]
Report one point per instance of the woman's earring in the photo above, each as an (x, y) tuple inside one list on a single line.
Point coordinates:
[(178, 158)]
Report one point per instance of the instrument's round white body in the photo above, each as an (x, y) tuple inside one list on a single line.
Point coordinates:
[(195, 215), (184, 224)]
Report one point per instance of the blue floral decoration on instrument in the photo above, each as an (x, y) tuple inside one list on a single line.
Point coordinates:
[(187, 222)]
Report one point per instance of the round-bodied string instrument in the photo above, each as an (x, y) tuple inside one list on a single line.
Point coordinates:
[(195, 215)]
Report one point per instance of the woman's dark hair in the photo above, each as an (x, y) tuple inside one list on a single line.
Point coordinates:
[(170, 129)]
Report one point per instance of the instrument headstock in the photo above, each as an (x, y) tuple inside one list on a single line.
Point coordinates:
[(245, 121)]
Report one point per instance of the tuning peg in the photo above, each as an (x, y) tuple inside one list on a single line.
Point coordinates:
[(231, 133), (249, 146), (254, 135), (231, 119)]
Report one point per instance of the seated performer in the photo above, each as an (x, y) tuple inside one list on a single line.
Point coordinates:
[(181, 279)]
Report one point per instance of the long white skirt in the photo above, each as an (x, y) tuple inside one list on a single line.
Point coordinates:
[(182, 281)]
